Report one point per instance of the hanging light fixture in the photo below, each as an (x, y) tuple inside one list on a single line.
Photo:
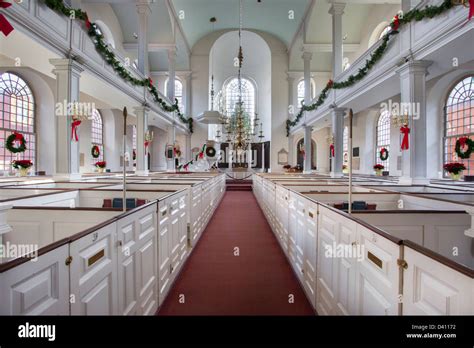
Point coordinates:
[(240, 128), (211, 116)]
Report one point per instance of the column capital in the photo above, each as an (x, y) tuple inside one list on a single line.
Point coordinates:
[(339, 111), (307, 55), (143, 7), (65, 64), (337, 8), (141, 109), (414, 66)]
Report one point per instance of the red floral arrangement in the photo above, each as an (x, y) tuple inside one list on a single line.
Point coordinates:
[(17, 164), (454, 167), (101, 164), (379, 167)]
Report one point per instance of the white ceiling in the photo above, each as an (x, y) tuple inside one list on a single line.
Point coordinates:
[(270, 16)]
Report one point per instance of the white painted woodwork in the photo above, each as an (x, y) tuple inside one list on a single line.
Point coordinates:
[(94, 284), (137, 262), (431, 288), (37, 288)]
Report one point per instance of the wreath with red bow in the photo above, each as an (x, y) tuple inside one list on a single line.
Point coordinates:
[(461, 149), (383, 154), (95, 151), (16, 138)]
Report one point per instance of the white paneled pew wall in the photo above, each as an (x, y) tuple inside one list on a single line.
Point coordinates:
[(102, 260), (390, 275)]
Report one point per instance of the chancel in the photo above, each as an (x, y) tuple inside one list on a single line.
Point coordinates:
[(236, 157)]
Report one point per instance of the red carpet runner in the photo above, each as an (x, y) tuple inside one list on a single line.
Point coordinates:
[(257, 282)]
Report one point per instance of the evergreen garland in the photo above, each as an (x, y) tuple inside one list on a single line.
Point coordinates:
[(103, 49), (399, 20)]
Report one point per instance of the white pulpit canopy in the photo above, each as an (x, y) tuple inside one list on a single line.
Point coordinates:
[(210, 117)]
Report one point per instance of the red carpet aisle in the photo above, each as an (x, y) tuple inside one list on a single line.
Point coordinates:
[(258, 282)]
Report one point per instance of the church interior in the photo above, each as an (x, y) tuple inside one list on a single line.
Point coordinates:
[(236, 157)]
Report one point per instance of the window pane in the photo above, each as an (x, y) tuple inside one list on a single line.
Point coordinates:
[(459, 114), (16, 114), (383, 138), (97, 133)]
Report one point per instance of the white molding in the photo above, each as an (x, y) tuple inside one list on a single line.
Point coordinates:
[(327, 47), (152, 46)]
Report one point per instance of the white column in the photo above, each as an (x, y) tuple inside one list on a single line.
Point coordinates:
[(68, 74), (413, 102), (171, 140), (337, 10), (188, 94), (307, 77), (337, 133), (292, 109), (142, 126), (143, 10), (187, 147), (307, 100), (171, 74), (307, 149)]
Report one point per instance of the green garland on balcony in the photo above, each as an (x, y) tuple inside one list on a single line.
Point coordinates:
[(397, 21), (109, 56)]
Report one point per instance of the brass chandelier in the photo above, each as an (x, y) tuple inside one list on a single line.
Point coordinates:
[(238, 125)]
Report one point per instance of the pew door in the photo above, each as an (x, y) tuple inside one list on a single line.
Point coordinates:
[(93, 273), (164, 249)]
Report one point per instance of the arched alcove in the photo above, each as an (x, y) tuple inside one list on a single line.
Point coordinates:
[(257, 69)]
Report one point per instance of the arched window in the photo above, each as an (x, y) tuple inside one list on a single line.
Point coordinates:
[(17, 114), (248, 97), (383, 137), (301, 91), (178, 92), (459, 121), (345, 145), (134, 144), (97, 135)]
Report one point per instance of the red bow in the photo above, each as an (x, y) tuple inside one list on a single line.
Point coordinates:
[(331, 148), (471, 9), (405, 131), (329, 84), (5, 26), (88, 22), (201, 155), (395, 23), (18, 137), (74, 125), (462, 141)]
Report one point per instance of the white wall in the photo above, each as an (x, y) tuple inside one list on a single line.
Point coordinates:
[(273, 90), (157, 150)]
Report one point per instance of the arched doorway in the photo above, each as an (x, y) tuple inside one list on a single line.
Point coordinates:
[(300, 153)]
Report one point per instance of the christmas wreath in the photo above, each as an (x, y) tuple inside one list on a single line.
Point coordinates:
[(95, 151), (383, 154), (460, 145), (210, 151), (16, 138)]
